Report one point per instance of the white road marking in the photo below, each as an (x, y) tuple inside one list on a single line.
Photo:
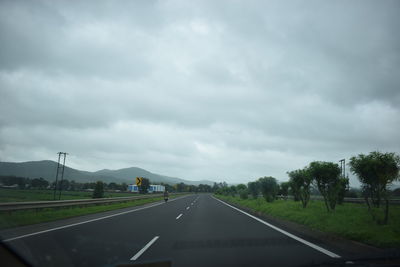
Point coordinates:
[(305, 242), (179, 216), (88, 221), (137, 255), (187, 208)]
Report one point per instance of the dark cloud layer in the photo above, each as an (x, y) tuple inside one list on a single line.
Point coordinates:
[(222, 90)]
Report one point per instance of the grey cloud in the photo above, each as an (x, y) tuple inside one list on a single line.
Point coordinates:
[(216, 90)]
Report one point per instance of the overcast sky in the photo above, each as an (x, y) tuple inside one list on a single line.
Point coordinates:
[(220, 90)]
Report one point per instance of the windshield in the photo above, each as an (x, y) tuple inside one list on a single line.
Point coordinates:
[(199, 133)]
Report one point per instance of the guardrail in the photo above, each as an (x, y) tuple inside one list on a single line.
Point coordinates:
[(14, 206)]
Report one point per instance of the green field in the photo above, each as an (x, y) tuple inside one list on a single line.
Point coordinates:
[(26, 217), (351, 221), (14, 195)]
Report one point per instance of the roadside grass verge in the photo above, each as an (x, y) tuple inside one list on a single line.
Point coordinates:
[(351, 221), (14, 195), (26, 217)]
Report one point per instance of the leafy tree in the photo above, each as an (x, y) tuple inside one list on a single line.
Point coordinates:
[(10, 180), (244, 194), (254, 188), (376, 171), (144, 187), (224, 191), (112, 186), (193, 188), (204, 188), (39, 183), (269, 188), (98, 190), (300, 181), (180, 187), (64, 185), (218, 191), (242, 191), (169, 187), (123, 187), (241, 187), (293, 191), (89, 185), (215, 187), (327, 178), (74, 185), (232, 190)]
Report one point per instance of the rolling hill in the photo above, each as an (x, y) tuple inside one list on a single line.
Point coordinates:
[(47, 170)]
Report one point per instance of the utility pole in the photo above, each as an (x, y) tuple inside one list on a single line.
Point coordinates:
[(60, 172), (343, 167)]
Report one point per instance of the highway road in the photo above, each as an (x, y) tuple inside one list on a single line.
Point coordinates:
[(194, 230)]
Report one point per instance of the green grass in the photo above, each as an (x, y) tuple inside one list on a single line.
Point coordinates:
[(26, 217), (351, 221), (14, 195)]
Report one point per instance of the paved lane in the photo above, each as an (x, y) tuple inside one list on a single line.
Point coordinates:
[(213, 234), (196, 230)]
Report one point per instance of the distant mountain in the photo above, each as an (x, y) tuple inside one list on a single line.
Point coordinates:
[(47, 170)]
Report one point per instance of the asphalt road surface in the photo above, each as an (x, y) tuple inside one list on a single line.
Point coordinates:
[(195, 230)]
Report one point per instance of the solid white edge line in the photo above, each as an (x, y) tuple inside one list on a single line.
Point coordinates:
[(179, 216), (88, 221), (137, 255), (305, 242)]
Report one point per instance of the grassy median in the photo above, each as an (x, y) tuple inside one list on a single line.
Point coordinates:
[(26, 217), (349, 220)]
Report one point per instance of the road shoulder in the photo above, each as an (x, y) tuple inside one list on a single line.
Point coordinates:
[(348, 248)]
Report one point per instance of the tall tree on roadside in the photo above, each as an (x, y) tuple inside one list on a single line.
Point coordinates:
[(269, 188), (300, 181), (180, 187), (242, 191), (215, 187), (232, 190), (293, 190), (327, 178), (254, 188), (376, 171), (98, 190), (123, 187), (144, 187), (39, 183)]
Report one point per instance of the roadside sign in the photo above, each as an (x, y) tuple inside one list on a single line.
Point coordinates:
[(139, 181)]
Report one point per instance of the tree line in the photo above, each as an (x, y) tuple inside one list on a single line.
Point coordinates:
[(375, 171), (145, 185), (65, 185), (71, 185)]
